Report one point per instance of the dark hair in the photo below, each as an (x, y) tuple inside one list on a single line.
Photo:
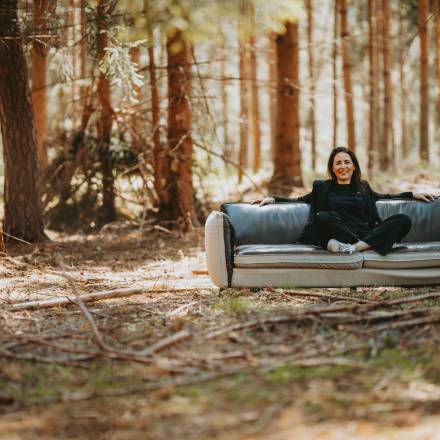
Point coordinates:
[(356, 178)]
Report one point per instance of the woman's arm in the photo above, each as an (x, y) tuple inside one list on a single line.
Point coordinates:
[(261, 201), (427, 197)]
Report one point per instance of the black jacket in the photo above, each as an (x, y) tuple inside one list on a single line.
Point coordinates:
[(317, 199)]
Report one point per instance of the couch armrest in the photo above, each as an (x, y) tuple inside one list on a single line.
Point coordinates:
[(219, 247)]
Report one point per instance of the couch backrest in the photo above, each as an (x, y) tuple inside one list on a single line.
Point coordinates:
[(282, 223)]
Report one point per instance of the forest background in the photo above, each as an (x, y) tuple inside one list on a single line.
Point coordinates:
[(123, 124)]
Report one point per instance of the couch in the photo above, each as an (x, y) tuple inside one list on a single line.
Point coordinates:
[(251, 246)]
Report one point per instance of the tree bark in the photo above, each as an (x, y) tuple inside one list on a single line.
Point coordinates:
[(403, 91), (335, 74), (71, 20), (179, 185), (372, 129), (244, 108), (348, 93), (436, 7), (84, 90), (137, 141), (273, 75), (424, 98), (225, 97), (39, 79), (104, 123), (255, 107), (311, 68), (2, 243), (23, 214), (160, 159), (387, 130), (287, 160)]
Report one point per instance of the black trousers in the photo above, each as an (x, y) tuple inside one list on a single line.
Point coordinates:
[(380, 238)]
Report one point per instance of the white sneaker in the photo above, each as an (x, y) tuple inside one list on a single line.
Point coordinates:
[(336, 246)]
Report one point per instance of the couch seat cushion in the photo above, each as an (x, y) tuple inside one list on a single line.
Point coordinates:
[(294, 255), (405, 256)]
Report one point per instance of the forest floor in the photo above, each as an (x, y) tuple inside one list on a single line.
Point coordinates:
[(182, 360)]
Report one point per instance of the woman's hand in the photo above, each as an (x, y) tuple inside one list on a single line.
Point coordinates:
[(263, 201), (426, 197)]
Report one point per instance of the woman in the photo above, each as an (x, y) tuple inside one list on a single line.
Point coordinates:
[(343, 213)]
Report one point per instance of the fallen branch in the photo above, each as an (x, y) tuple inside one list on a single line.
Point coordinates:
[(320, 295), (413, 298), (165, 342), (308, 313), (407, 323), (89, 297)]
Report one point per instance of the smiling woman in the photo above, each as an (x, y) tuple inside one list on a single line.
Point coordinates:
[(343, 214)]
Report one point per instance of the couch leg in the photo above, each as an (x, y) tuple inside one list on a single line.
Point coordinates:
[(354, 288)]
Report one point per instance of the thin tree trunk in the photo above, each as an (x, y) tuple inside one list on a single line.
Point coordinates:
[(179, 185), (348, 93), (387, 98), (273, 75), (138, 143), (436, 7), (309, 7), (74, 59), (39, 79), (225, 97), (372, 130), (255, 108), (2, 243), (287, 161), (403, 92), (335, 73), (104, 123), (23, 213), (160, 159), (83, 49), (424, 98), (244, 108)]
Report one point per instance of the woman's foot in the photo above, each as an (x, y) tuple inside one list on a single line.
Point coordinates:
[(336, 246), (361, 246)]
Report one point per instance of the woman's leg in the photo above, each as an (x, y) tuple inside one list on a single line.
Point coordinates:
[(330, 226), (382, 237)]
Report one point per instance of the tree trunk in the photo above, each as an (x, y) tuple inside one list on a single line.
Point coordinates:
[(424, 98), (273, 75), (373, 92), (2, 243), (309, 7), (225, 98), (287, 161), (179, 185), (436, 7), (71, 15), (136, 129), (84, 90), (244, 108), (104, 123), (403, 92), (335, 74), (387, 131), (39, 79), (255, 108), (348, 93), (160, 159), (23, 214)]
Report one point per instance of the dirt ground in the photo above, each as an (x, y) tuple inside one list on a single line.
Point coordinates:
[(182, 360), (274, 379)]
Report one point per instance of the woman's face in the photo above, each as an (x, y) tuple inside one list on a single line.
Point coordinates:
[(343, 168)]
